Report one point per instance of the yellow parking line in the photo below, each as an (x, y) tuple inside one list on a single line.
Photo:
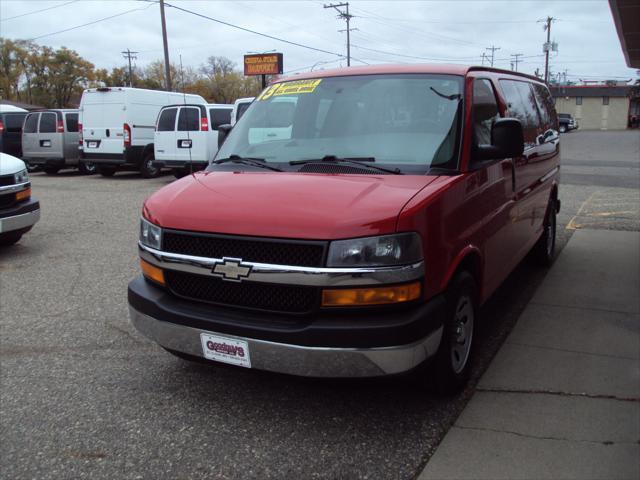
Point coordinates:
[(572, 225)]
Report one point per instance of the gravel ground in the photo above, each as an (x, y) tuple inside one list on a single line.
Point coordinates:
[(84, 396)]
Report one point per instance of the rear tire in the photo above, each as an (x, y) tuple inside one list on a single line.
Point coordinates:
[(544, 250), (9, 238), (87, 168), (51, 170), (449, 371), (107, 171), (179, 172), (147, 169)]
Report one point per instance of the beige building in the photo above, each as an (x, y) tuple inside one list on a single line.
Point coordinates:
[(599, 107)]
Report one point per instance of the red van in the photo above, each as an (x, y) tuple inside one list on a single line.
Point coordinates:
[(352, 223)]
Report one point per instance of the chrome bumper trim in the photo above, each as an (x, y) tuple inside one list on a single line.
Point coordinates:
[(288, 274), (14, 188), (17, 222), (296, 359)]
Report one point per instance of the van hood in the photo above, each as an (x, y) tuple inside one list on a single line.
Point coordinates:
[(284, 205), (10, 164)]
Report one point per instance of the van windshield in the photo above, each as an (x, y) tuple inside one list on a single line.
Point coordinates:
[(408, 121)]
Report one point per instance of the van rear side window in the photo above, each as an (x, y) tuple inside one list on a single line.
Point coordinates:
[(72, 122), (219, 116), (13, 122), (167, 121), (31, 124), (189, 119), (47, 122)]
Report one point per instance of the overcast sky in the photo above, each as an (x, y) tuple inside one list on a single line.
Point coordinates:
[(391, 31)]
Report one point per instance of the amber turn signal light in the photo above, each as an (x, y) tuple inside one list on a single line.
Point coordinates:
[(23, 194), (152, 272), (371, 296)]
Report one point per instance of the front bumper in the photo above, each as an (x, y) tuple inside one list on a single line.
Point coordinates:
[(20, 217), (343, 344)]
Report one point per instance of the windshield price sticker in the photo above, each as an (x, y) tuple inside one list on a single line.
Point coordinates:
[(290, 88)]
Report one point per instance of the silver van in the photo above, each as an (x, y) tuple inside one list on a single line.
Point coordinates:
[(50, 139)]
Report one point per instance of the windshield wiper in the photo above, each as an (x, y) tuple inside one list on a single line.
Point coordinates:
[(253, 161), (362, 161)]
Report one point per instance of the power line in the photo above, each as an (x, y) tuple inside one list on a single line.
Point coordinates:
[(516, 59), (493, 49), (129, 55), (461, 59), (253, 31), (347, 17), (37, 11), (90, 23)]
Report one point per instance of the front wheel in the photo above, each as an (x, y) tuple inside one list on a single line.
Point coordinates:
[(563, 128), (545, 250), (147, 169), (9, 238), (107, 171), (87, 168), (451, 366)]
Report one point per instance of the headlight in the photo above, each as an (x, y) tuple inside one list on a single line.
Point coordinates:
[(150, 234), (21, 177), (386, 250)]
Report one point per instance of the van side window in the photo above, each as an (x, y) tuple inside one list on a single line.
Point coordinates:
[(167, 120), (189, 119), (48, 122), (521, 105), (545, 105), (219, 116), (485, 111), (31, 123), (72, 122)]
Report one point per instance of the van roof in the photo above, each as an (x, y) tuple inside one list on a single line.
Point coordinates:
[(435, 68), (63, 110)]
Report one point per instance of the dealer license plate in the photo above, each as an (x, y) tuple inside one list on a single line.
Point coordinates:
[(92, 144), (225, 350)]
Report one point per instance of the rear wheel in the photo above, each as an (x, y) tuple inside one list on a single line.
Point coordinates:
[(147, 169), (107, 171), (9, 238), (451, 366), (179, 172), (51, 170), (87, 168), (545, 250)]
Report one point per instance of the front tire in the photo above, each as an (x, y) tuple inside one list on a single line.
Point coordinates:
[(563, 128), (545, 249), (9, 238), (87, 168), (179, 172), (107, 171), (51, 170), (147, 169), (452, 363)]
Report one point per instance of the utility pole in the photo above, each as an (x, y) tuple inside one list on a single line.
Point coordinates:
[(516, 59), (484, 56), (167, 71), (346, 16), (547, 48), (493, 49), (129, 55)]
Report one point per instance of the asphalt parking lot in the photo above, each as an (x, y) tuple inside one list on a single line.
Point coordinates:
[(83, 395)]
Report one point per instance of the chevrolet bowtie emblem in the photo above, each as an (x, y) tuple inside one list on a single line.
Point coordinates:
[(231, 269)]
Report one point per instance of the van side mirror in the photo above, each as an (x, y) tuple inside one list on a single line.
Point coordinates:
[(507, 140), (223, 131)]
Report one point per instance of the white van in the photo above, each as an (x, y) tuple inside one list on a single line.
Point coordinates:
[(117, 126), (186, 137), (239, 107)]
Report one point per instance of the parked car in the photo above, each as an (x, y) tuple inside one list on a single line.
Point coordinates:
[(50, 141), (19, 211), (566, 122), (362, 243), (239, 107), (117, 126), (186, 136), (11, 120)]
